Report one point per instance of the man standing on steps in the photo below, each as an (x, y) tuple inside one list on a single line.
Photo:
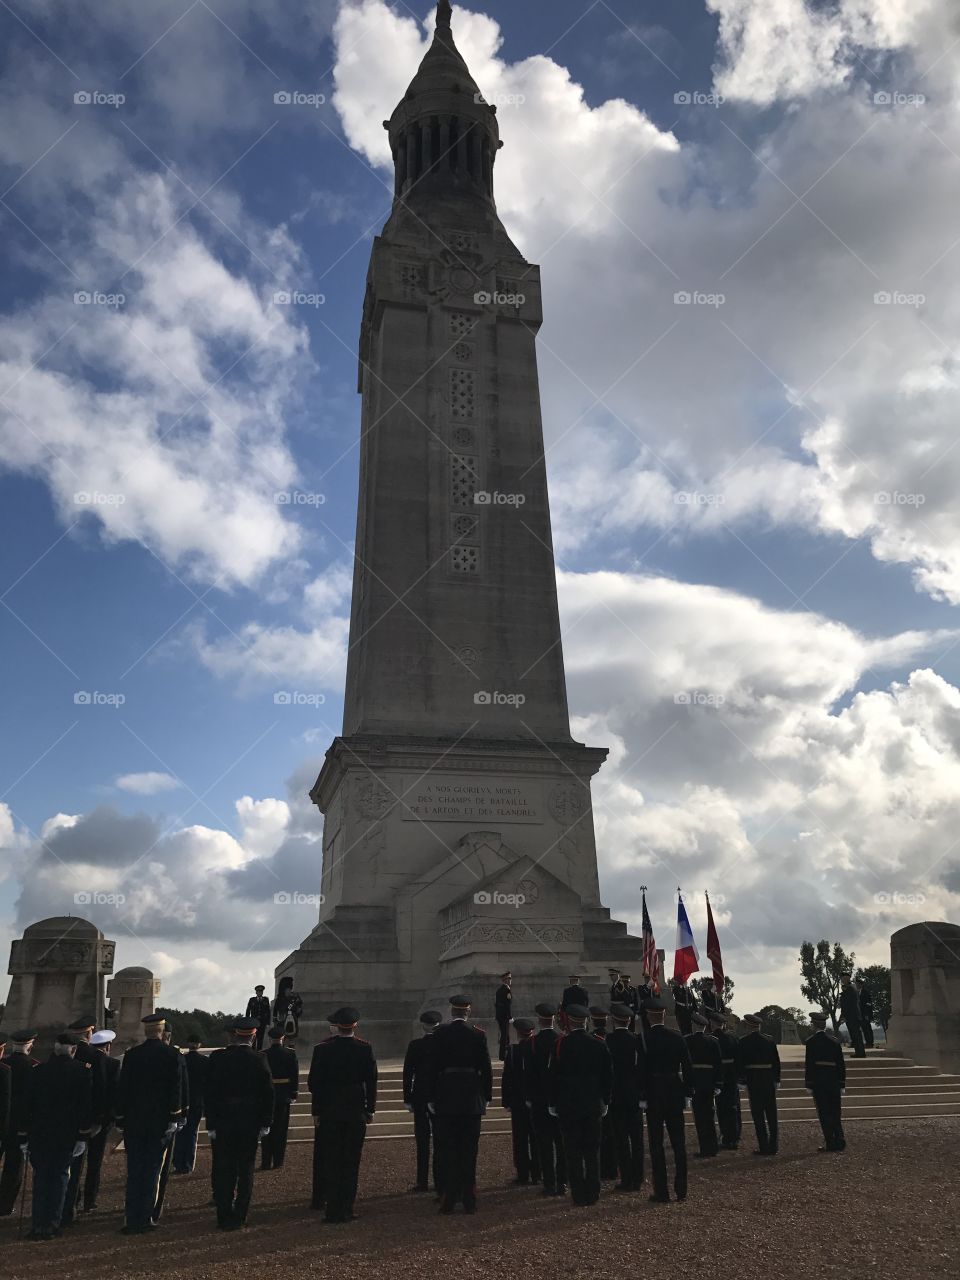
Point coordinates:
[(285, 1072), (461, 1088), (258, 1011), (416, 1082), (825, 1075), (537, 1052), (705, 1056), (573, 993), (627, 1100), (503, 1011), (238, 1105), (526, 1156), (760, 1072), (729, 1118), (580, 1083), (669, 1080), (866, 1012), (343, 1089), (850, 1014)]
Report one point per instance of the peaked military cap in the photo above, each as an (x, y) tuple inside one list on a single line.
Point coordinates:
[(68, 1037), (653, 1004), (578, 1011), (544, 1010), (621, 1011), (345, 1017), (818, 1019), (243, 1026), (461, 1002), (152, 1019), (715, 1016), (260, 988), (103, 1037), (23, 1037), (82, 1024), (276, 1033), (597, 1012), (430, 1018), (698, 1019), (524, 1025), (754, 1019)]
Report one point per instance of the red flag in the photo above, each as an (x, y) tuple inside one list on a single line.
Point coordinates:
[(713, 952), (651, 957)]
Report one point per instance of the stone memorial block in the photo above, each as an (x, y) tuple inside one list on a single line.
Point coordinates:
[(925, 994), (133, 993), (58, 970)]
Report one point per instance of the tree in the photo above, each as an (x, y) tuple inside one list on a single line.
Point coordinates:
[(699, 985), (774, 1016), (820, 969), (210, 1027), (876, 978)]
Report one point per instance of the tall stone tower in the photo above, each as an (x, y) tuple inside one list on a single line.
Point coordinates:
[(458, 832)]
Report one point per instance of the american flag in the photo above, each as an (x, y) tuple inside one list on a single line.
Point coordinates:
[(651, 957)]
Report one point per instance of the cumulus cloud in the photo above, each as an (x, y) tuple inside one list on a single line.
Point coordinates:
[(147, 784)]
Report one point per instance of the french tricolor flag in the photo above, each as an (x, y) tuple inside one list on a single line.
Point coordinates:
[(686, 960)]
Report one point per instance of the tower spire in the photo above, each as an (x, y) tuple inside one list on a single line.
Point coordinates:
[(444, 14)]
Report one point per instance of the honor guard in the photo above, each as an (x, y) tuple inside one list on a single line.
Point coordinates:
[(608, 1149), (537, 1053), (166, 1165), (705, 1056), (238, 1106), (318, 1198), (851, 1014), (57, 1121), (573, 993), (343, 1088), (19, 1062), (760, 1072), (580, 1082), (96, 1064), (185, 1143), (526, 1156), (631, 998), (825, 1075), (416, 1096), (258, 1011), (102, 1041), (669, 1083), (285, 1072), (503, 1011), (728, 1099), (627, 1100), (461, 1088), (866, 1012), (684, 1006)]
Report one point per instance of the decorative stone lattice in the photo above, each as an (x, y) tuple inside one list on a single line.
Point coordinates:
[(462, 241), (465, 559), (461, 324), (463, 436), (463, 393), (465, 528), (463, 480), (412, 277), (463, 351)]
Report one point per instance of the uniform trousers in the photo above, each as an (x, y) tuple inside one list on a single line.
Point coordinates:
[(457, 1138), (829, 1104), (581, 1149), (763, 1109), (234, 1157), (704, 1121), (660, 1117), (273, 1147), (553, 1166), (422, 1130), (144, 1160), (51, 1175), (728, 1115), (341, 1135), (96, 1150), (627, 1123)]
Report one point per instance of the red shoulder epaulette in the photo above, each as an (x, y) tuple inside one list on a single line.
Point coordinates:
[(360, 1040), (480, 1029)]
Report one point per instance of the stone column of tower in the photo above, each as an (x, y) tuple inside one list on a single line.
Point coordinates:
[(458, 832)]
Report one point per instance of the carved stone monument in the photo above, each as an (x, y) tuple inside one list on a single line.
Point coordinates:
[(58, 970), (458, 834), (133, 993), (925, 994)]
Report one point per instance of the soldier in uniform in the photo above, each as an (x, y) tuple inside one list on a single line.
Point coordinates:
[(56, 1121), (705, 1056), (573, 993), (503, 1011), (630, 997), (343, 1088), (627, 1101), (20, 1064), (318, 1198), (185, 1144), (416, 1081), (669, 1083), (850, 1013), (461, 1088), (285, 1071), (760, 1072), (148, 1107), (526, 1156), (685, 1006), (238, 1106), (866, 1012), (580, 1083), (825, 1075), (97, 1147), (537, 1052), (96, 1064), (258, 1011), (728, 1099), (6, 1089), (166, 1164), (608, 1147)]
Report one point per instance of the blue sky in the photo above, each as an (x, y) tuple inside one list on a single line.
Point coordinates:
[(821, 610)]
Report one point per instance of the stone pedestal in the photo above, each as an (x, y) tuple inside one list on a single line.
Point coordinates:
[(133, 994), (58, 970), (925, 994)]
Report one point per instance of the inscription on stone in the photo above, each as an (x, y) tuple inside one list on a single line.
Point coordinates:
[(467, 800)]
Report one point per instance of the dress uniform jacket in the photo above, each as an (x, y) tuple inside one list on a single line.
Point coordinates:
[(416, 1094), (760, 1072), (343, 1089), (825, 1075), (19, 1066), (580, 1083), (238, 1103), (285, 1072), (149, 1094), (536, 1054), (59, 1112), (628, 1059), (461, 1086)]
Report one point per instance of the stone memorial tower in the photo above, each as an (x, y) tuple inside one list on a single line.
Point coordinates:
[(58, 970), (458, 832), (133, 993)]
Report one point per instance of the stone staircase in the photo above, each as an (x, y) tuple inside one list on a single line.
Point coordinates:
[(880, 1087)]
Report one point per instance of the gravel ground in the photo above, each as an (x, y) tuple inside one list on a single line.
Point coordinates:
[(890, 1203)]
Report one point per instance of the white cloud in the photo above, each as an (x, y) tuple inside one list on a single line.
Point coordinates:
[(147, 784)]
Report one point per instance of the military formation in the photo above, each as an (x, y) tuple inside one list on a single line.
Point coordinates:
[(588, 1089)]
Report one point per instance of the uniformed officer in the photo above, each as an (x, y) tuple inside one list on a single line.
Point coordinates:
[(258, 1011), (461, 1088), (573, 993), (580, 1083), (866, 1012), (627, 1101), (503, 1011), (546, 1128), (195, 1064), (19, 1062), (705, 1056), (6, 1089), (608, 1147), (526, 1156), (630, 997), (669, 1082), (318, 1199), (343, 1089), (825, 1075), (169, 1142), (416, 1097), (102, 1041), (56, 1122), (728, 1099), (285, 1071), (148, 1107), (684, 1006), (238, 1106), (760, 1072), (95, 1062), (852, 1014)]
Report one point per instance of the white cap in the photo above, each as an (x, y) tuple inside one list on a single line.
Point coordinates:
[(103, 1037)]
